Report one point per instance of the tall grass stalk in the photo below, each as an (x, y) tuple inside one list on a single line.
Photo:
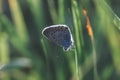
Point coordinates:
[(90, 32), (78, 38), (46, 52), (46, 57), (18, 19), (37, 13), (44, 48), (76, 65), (76, 24), (96, 77)]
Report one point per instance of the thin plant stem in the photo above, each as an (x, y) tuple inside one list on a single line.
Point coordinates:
[(78, 37), (90, 33), (76, 65), (76, 24)]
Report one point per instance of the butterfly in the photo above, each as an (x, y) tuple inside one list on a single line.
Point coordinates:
[(60, 35)]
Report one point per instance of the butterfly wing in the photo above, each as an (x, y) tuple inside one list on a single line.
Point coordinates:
[(60, 35)]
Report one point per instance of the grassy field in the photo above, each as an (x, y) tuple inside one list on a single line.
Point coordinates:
[(25, 54)]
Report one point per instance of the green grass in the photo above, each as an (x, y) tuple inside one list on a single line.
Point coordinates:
[(26, 54)]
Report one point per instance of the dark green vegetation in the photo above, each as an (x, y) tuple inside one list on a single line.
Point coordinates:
[(26, 55)]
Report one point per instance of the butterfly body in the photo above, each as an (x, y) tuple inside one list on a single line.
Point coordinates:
[(60, 35)]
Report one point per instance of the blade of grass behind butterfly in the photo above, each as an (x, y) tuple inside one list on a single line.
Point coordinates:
[(61, 70), (78, 38), (61, 11), (110, 32), (53, 11), (57, 18), (61, 20), (38, 13), (18, 19), (58, 69), (46, 52), (77, 26)]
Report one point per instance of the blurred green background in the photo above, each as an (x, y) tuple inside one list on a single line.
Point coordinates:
[(25, 54)]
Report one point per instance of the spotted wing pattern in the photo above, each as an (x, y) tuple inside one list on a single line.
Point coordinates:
[(59, 34)]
